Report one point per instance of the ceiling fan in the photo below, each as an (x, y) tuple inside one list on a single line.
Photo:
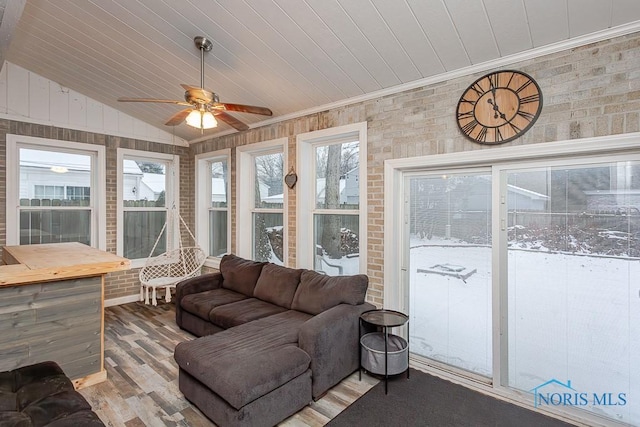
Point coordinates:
[(204, 106)]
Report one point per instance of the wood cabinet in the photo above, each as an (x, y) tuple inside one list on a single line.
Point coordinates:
[(52, 307)]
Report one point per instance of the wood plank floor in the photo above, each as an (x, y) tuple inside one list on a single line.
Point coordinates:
[(142, 384)]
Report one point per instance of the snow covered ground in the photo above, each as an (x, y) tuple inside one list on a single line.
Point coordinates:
[(347, 265), (570, 317)]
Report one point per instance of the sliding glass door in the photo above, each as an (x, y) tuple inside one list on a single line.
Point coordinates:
[(450, 268), (573, 286), (544, 258)]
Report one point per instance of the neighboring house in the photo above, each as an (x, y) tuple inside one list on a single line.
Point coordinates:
[(218, 190), (350, 194), (63, 176), (132, 179), (349, 190), (526, 200), (152, 186), (41, 178), (473, 197)]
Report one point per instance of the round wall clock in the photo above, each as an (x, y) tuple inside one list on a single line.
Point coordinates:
[(499, 107)]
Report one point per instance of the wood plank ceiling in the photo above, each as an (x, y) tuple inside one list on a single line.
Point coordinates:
[(288, 55)]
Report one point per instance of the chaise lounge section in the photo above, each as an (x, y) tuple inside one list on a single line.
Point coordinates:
[(272, 339)]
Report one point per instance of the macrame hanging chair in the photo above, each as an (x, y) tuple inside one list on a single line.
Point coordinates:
[(167, 269)]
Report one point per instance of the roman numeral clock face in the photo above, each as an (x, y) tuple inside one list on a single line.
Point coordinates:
[(499, 107)]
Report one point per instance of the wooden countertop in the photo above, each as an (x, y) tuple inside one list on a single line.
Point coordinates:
[(55, 261)]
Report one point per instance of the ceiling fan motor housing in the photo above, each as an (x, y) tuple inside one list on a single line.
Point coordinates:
[(200, 96)]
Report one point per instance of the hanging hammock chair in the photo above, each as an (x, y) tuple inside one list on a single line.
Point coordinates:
[(171, 267)]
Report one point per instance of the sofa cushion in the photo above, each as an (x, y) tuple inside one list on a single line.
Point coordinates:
[(243, 380), (57, 406), (202, 303), (7, 394), (198, 356), (318, 292), (244, 311), (14, 419), (240, 274), (277, 284)]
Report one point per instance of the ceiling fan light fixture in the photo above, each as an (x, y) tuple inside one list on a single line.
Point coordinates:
[(201, 119)]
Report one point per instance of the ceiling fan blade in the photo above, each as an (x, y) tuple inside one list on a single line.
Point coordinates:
[(164, 101), (232, 121), (179, 117), (246, 109)]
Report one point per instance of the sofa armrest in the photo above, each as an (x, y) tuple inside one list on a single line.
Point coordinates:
[(195, 285), (331, 340), (202, 283)]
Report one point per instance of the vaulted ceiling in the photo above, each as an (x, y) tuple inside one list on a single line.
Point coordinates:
[(289, 55)]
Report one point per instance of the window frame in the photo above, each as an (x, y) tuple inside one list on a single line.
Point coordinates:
[(245, 206), (97, 204), (203, 204), (306, 144), (172, 195)]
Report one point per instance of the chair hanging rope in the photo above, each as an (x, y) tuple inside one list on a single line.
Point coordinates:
[(169, 268)]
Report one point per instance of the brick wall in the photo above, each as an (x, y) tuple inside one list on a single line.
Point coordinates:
[(117, 284), (589, 91)]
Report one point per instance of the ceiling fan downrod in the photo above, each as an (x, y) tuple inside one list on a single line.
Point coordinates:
[(205, 45)]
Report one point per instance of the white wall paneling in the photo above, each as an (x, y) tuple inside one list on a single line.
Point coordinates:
[(28, 97)]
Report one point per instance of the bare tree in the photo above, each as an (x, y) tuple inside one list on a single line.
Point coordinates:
[(269, 170), (330, 239), (348, 158), (260, 236), (150, 167)]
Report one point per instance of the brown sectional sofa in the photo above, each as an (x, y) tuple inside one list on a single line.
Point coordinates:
[(272, 339)]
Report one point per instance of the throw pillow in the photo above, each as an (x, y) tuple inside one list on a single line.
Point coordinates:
[(318, 292), (240, 274)]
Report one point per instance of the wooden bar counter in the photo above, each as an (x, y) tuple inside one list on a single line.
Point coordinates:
[(52, 307)]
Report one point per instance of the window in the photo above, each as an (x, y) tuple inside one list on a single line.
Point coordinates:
[(261, 197), (56, 192), (48, 192), (332, 204), (147, 189), (79, 193), (212, 202)]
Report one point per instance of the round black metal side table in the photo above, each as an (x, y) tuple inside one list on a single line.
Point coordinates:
[(384, 319)]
